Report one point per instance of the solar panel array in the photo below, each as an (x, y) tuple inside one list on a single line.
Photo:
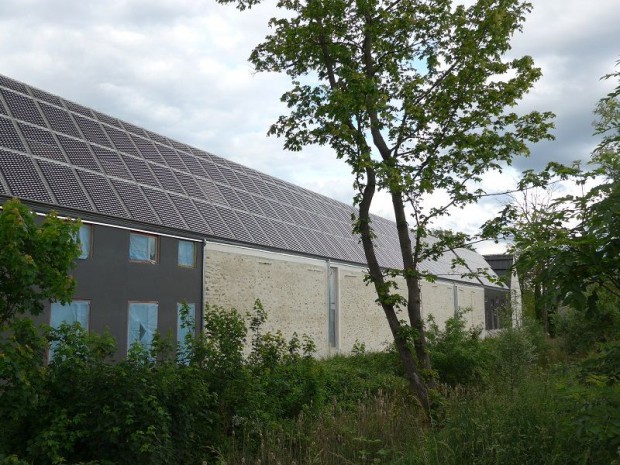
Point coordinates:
[(61, 153)]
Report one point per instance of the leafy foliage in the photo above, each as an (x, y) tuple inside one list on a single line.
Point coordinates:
[(416, 96), (34, 260)]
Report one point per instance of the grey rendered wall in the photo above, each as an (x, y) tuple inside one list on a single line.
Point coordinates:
[(110, 281)]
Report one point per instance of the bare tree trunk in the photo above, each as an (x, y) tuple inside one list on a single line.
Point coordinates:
[(400, 339)]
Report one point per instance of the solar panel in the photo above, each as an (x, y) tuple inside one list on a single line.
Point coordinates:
[(211, 192), (231, 197), (147, 149), (59, 120), (78, 153), (22, 107), (135, 201), (46, 151), (248, 202), (179, 146), (214, 220), (121, 141), (247, 183), (201, 154), (49, 98), (191, 215), (140, 170), (102, 117), (212, 171), (167, 179), (171, 157), (64, 185), (267, 208), (251, 225), (230, 177), (10, 138), (2, 109), (11, 84), (78, 108), (22, 177), (111, 163), (92, 131), (271, 231), (190, 185), (104, 197), (164, 208), (288, 237), (233, 222), (157, 137), (133, 129), (193, 164)]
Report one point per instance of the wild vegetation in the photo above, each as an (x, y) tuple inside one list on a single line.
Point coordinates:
[(514, 399)]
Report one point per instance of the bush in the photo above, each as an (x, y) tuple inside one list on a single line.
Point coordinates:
[(457, 353)]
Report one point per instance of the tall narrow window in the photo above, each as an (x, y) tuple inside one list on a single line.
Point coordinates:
[(142, 323), (77, 311), (142, 248), (84, 237), (333, 307), (187, 254), (186, 322)]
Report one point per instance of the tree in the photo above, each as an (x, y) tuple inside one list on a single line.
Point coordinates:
[(34, 260), (412, 94), (575, 237)]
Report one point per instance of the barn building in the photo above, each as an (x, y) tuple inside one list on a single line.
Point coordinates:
[(165, 223)]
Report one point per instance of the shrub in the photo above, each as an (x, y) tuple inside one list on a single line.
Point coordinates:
[(457, 353)]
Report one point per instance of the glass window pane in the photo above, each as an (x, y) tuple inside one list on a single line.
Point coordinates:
[(185, 327), (142, 248), (75, 312), (142, 323), (84, 239), (187, 255)]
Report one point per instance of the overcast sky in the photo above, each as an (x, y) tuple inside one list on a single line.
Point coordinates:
[(179, 67)]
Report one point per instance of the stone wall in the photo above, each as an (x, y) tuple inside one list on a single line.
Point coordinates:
[(295, 294)]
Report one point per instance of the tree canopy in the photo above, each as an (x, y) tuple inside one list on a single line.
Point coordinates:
[(35, 260), (418, 97)]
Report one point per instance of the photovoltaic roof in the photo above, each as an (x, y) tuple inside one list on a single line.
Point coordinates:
[(62, 154)]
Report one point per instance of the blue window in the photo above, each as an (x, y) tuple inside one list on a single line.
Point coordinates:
[(142, 323), (187, 254), (77, 311), (84, 238), (142, 248), (185, 325)]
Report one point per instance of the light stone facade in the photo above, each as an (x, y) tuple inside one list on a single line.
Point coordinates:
[(294, 291)]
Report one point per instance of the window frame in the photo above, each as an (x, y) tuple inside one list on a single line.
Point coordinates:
[(156, 252), (129, 304), (194, 254)]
